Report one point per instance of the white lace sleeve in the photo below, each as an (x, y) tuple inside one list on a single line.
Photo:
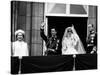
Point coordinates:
[(64, 46)]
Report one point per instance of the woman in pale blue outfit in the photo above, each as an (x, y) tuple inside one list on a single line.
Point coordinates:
[(19, 47)]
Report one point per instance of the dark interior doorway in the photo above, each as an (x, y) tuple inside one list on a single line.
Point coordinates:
[(60, 23)]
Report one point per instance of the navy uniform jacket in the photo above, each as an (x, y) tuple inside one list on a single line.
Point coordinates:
[(51, 42)]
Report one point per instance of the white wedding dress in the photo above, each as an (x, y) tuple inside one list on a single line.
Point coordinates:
[(72, 44), (69, 44)]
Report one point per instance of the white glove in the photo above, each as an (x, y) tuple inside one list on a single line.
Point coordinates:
[(42, 25)]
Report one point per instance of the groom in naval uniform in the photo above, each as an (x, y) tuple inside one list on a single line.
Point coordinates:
[(52, 42)]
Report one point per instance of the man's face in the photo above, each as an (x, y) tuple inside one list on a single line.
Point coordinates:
[(53, 32), (19, 36), (90, 27)]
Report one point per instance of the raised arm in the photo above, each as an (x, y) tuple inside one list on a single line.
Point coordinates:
[(44, 37)]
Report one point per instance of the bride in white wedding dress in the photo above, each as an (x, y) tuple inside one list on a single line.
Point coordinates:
[(71, 43)]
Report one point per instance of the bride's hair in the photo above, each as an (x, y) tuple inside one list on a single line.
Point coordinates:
[(69, 30)]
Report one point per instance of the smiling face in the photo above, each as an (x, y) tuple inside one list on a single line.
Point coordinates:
[(69, 32), (19, 36), (53, 32)]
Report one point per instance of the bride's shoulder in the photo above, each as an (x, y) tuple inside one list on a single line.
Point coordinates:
[(74, 35), (64, 38)]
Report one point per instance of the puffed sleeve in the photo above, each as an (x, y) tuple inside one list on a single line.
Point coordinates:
[(64, 46), (27, 50)]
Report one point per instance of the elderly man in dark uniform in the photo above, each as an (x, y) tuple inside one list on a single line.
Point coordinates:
[(92, 40), (52, 42)]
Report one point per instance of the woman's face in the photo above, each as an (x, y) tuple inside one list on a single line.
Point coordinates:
[(19, 36), (69, 32)]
